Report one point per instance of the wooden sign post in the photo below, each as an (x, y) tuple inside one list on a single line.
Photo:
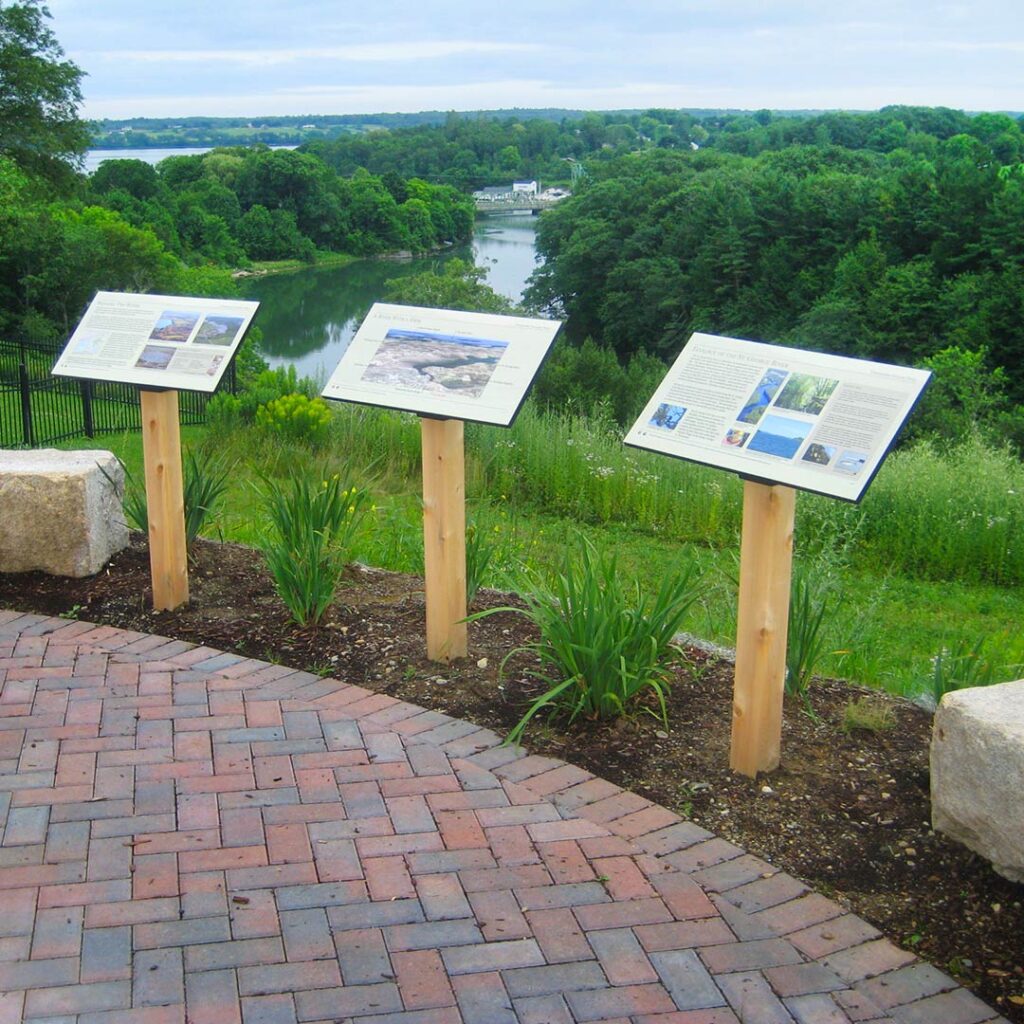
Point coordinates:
[(161, 447), (444, 537), (766, 558), (782, 418)]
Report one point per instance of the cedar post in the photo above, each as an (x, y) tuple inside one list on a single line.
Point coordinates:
[(766, 557), (161, 446), (444, 537)]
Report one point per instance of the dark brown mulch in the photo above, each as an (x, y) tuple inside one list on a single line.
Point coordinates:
[(848, 811)]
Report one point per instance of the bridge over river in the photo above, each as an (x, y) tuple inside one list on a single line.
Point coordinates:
[(534, 204)]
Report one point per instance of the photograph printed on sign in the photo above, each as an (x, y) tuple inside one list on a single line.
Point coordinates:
[(436, 363), (441, 362)]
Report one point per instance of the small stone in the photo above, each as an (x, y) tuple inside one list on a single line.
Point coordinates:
[(767, 790), (482, 663), (661, 734)]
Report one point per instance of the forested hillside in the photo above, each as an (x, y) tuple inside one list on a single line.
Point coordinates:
[(898, 255)]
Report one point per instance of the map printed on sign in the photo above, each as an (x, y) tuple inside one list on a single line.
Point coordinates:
[(160, 341), (442, 362), (816, 422)]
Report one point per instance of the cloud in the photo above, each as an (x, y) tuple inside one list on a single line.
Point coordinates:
[(363, 52)]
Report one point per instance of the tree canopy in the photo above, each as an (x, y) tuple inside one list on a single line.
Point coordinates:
[(39, 93)]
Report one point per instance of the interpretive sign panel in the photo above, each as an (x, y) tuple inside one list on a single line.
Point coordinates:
[(161, 341), (442, 362), (780, 415)]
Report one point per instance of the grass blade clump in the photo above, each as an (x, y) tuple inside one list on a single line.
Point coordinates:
[(308, 544), (480, 550), (603, 643), (205, 479), (961, 665), (813, 603)]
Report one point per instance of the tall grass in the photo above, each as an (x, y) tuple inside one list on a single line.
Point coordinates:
[(935, 552), (955, 514), (578, 467)]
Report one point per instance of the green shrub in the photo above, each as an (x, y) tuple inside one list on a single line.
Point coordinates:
[(223, 412), (581, 378), (308, 544), (603, 643), (296, 418)]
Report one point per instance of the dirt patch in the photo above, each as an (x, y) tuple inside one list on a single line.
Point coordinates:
[(848, 812)]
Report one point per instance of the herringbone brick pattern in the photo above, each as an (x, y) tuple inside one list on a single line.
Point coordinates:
[(189, 835)]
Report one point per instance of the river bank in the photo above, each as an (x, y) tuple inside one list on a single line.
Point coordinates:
[(263, 268)]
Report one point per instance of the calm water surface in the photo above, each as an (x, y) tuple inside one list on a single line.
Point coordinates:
[(309, 317)]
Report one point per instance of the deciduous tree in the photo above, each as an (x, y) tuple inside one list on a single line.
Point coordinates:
[(39, 93)]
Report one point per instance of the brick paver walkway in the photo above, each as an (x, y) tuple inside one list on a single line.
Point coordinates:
[(189, 835)]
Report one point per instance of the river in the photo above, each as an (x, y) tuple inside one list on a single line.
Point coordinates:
[(308, 317)]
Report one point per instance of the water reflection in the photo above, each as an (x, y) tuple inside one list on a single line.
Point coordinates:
[(309, 317)]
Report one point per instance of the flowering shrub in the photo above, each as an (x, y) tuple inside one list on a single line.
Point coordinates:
[(296, 418)]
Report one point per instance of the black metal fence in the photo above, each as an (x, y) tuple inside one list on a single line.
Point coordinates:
[(38, 409)]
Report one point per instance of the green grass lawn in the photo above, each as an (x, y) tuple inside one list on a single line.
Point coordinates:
[(891, 620)]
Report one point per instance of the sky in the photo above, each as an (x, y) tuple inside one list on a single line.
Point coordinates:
[(179, 58)]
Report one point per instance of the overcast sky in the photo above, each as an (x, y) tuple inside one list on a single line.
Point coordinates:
[(174, 58)]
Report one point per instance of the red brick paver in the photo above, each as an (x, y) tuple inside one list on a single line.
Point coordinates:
[(188, 835)]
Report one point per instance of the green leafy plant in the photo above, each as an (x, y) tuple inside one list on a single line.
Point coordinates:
[(296, 418), (603, 643), (480, 549), (205, 478), (813, 601), (962, 665), (307, 546)]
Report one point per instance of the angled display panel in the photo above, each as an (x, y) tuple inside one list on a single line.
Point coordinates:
[(174, 342), (442, 362), (817, 422)]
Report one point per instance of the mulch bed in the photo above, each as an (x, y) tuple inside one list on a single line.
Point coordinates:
[(848, 811)]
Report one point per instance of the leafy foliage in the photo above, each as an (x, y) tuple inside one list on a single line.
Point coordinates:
[(295, 417), (307, 545), (454, 285), (603, 643), (205, 479), (39, 93), (813, 603), (831, 239), (480, 550), (962, 665)]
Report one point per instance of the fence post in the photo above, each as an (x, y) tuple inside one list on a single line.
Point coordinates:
[(26, 404), (86, 389)]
